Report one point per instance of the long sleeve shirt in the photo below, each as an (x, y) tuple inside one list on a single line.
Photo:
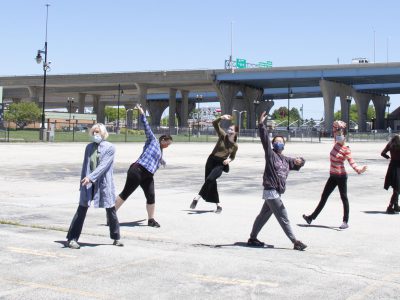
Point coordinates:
[(151, 157), (394, 153), (277, 166), (224, 148), (338, 155)]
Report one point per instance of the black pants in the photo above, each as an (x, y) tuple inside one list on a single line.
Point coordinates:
[(214, 169), (333, 181), (75, 228), (138, 175)]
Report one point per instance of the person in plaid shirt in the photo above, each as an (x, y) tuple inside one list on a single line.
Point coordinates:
[(142, 171)]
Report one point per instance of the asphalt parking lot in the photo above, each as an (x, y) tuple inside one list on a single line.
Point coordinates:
[(196, 254)]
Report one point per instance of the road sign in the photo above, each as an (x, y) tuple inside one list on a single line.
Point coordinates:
[(241, 63), (265, 64)]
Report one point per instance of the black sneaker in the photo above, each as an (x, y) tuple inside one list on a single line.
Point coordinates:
[(219, 209), (193, 204), (118, 243), (307, 219), (255, 243), (153, 223), (390, 211), (298, 245)]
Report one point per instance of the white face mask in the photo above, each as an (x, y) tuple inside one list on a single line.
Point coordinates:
[(97, 138), (340, 138)]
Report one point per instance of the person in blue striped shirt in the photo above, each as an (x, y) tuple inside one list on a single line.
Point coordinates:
[(142, 171)]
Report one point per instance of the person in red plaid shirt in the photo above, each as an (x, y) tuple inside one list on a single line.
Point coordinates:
[(338, 175)]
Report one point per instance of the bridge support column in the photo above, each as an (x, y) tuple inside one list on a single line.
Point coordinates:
[(81, 103), (184, 113), (344, 109), (34, 94), (380, 108), (226, 94), (129, 115), (172, 109), (98, 109), (362, 101), (156, 108), (329, 95), (251, 95)]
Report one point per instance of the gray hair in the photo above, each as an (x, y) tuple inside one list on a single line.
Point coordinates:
[(102, 128)]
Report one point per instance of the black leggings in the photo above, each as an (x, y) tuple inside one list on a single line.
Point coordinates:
[(333, 181), (138, 175), (75, 228), (214, 169)]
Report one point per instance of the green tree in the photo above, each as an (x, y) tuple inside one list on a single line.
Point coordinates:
[(112, 113), (354, 114), (23, 113), (281, 114)]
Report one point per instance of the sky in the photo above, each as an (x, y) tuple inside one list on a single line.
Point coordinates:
[(95, 36)]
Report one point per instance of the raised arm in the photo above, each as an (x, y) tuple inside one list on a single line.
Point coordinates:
[(264, 136), (217, 127), (147, 129)]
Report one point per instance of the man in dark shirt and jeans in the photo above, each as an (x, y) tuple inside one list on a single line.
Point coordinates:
[(277, 167)]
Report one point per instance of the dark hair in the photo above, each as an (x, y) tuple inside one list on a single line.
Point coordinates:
[(395, 143), (278, 136), (165, 137), (236, 128)]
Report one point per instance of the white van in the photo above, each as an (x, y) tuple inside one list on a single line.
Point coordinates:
[(359, 60)]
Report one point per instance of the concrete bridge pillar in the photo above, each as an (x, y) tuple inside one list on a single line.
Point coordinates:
[(16, 99), (329, 95), (129, 115), (81, 103), (252, 95), (156, 108), (184, 112), (263, 106), (380, 108), (142, 95), (34, 94), (362, 101), (226, 93), (344, 109), (98, 109), (172, 108)]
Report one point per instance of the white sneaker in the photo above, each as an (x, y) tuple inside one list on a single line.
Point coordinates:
[(344, 225)]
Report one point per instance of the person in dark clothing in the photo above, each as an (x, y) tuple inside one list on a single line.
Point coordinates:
[(277, 167), (223, 154), (392, 178)]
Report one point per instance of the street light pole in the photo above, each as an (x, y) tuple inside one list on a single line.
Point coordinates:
[(348, 99), (120, 91), (70, 102), (387, 118), (46, 66), (290, 94)]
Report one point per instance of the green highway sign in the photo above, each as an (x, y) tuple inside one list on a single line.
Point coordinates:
[(241, 63), (265, 64)]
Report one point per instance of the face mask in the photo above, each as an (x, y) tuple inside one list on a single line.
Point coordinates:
[(230, 131), (97, 138), (340, 138), (278, 146)]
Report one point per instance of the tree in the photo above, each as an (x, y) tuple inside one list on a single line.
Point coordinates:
[(23, 113), (354, 114), (280, 114)]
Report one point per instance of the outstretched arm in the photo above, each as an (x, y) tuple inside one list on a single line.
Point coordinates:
[(147, 129), (264, 136), (217, 127)]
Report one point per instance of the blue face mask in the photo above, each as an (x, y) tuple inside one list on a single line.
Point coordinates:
[(96, 138), (278, 146)]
